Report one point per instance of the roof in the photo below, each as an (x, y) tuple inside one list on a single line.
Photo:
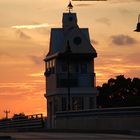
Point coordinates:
[(59, 38)]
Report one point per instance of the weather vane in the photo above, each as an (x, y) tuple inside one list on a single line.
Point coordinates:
[(70, 6)]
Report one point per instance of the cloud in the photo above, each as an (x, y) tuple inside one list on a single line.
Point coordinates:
[(22, 97), (94, 42), (38, 60), (5, 54), (37, 74), (83, 5), (110, 64), (104, 20), (22, 35), (123, 1), (44, 31), (31, 26), (20, 89), (121, 40)]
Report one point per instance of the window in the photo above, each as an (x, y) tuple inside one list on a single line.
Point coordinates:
[(64, 82), (55, 105), (91, 102), (52, 63), (50, 66), (77, 103), (64, 103)]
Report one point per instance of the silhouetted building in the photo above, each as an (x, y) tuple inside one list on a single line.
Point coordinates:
[(70, 76)]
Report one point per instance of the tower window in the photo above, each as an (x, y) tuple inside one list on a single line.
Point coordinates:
[(64, 103), (77, 103), (91, 102), (55, 105), (53, 62)]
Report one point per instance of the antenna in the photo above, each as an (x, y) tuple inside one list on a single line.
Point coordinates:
[(6, 113)]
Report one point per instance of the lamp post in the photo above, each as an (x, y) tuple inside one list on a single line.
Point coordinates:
[(68, 53), (138, 25)]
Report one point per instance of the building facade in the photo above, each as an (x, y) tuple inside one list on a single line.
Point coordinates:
[(69, 69)]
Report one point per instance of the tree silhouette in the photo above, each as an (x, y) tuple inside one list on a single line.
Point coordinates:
[(119, 92)]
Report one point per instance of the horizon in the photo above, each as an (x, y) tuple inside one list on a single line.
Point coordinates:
[(25, 31)]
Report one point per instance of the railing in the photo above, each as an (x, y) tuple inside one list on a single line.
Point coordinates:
[(25, 122), (108, 112), (75, 80)]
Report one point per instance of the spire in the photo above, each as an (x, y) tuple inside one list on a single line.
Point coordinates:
[(70, 6)]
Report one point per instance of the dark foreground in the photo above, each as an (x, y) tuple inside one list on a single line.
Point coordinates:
[(65, 136)]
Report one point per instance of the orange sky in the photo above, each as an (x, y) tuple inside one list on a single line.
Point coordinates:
[(24, 39)]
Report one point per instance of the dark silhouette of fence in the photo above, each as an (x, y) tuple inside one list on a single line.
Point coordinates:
[(23, 123)]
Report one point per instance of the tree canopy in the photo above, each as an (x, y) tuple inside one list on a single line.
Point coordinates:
[(119, 92)]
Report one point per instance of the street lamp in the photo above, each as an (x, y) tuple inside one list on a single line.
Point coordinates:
[(68, 53), (138, 25)]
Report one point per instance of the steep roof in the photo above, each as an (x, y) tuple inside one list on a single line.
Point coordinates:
[(59, 38)]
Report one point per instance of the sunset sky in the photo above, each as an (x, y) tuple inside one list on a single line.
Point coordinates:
[(24, 40)]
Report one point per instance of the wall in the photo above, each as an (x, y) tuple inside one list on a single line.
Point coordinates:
[(100, 119)]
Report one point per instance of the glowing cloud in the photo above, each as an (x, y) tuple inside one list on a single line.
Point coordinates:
[(36, 74), (31, 26)]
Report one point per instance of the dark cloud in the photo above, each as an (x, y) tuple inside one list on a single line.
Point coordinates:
[(104, 20), (121, 40), (94, 42), (38, 60), (22, 35)]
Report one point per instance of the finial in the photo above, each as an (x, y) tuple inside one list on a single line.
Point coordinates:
[(70, 6)]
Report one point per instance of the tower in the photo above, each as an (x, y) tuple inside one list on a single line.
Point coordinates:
[(69, 69)]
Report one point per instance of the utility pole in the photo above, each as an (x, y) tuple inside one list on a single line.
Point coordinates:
[(6, 113)]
